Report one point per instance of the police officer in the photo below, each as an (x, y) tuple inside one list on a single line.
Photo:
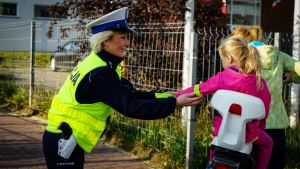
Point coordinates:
[(95, 87)]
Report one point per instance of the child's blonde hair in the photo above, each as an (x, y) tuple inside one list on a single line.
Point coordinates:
[(247, 56), (97, 40), (255, 33)]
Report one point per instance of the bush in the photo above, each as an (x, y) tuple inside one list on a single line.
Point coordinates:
[(7, 90)]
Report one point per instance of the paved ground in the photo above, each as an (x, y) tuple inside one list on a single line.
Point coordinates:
[(21, 147), (43, 77)]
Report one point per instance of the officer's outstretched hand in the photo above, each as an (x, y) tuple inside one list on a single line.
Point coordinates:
[(188, 100)]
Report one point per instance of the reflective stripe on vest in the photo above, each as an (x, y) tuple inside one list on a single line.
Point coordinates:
[(87, 121), (75, 125), (75, 114)]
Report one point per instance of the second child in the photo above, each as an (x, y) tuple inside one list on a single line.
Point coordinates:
[(242, 74)]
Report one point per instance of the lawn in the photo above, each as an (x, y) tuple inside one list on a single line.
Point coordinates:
[(22, 59)]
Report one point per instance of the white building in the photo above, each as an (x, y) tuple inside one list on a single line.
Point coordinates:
[(24, 10), (15, 18), (243, 12)]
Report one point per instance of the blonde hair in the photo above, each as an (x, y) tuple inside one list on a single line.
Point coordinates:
[(97, 40), (247, 56), (255, 33)]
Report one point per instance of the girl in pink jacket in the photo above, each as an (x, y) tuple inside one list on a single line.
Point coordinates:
[(242, 74)]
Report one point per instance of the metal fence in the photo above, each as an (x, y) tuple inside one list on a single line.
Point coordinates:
[(153, 61)]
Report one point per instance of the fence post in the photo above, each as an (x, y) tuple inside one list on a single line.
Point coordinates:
[(277, 40), (190, 120), (187, 81), (31, 72), (294, 116)]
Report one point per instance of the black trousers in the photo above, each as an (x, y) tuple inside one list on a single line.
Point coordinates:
[(53, 160), (278, 155)]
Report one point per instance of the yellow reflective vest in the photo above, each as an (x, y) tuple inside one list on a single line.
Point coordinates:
[(88, 121)]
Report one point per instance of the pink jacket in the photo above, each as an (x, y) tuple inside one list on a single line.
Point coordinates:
[(231, 80)]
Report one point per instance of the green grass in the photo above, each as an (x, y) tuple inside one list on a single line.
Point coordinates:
[(145, 141), (16, 97), (22, 59), (13, 96), (160, 141), (293, 147), (167, 138)]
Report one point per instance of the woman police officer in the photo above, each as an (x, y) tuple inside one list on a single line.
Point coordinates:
[(95, 87)]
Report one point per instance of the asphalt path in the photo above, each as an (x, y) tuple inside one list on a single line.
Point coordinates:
[(44, 78)]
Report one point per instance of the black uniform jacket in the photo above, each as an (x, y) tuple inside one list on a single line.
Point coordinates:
[(104, 85)]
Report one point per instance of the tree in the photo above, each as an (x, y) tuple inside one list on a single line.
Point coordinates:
[(141, 11), (158, 70)]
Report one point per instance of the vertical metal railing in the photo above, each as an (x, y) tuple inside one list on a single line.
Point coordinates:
[(188, 74), (32, 50), (191, 115), (294, 117)]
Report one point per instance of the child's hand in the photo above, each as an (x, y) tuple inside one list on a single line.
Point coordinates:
[(186, 91), (188, 100), (289, 78)]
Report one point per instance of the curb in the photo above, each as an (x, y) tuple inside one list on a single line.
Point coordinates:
[(18, 113)]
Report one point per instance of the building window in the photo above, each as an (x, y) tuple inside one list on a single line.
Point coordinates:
[(41, 11), (8, 9), (243, 12)]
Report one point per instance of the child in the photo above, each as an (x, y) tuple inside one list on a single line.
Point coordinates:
[(242, 74)]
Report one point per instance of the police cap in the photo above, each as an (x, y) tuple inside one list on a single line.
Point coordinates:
[(115, 21)]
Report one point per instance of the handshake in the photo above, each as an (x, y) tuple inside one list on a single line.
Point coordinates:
[(186, 97)]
